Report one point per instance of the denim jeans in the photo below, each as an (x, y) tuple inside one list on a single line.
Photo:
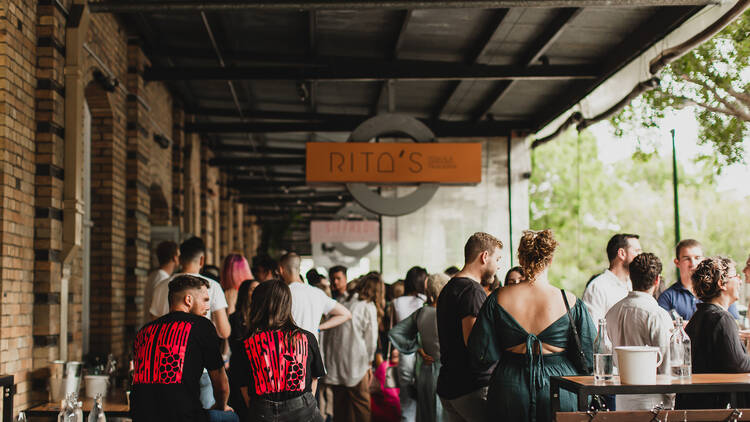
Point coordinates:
[(299, 409), (222, 416), (407, 387)]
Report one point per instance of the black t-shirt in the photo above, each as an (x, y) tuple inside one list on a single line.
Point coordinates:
[(169, 356), (279, 368), (236, 345), (460, 298)]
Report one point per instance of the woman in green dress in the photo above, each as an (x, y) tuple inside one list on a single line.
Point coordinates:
[(525, 328)]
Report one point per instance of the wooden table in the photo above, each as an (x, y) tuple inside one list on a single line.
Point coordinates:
[(698, 383), (115, 405)]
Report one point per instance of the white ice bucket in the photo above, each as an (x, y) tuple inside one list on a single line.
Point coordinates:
[(638, 364)]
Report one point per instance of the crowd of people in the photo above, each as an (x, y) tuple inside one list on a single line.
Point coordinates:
[(265, 344)]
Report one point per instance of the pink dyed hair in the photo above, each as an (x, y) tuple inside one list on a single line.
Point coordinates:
[(234, 271)]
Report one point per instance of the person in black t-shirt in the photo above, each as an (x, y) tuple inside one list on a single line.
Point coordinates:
[(461, 387), (281, 362), (169, 356)]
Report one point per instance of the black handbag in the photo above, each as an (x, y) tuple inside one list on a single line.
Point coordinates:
[(578, 358)]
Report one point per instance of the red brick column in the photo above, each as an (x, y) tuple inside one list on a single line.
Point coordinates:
[(209, 205), (48, 214), (178, 169), (239, 227), (108, 216), (138, 206), (225, 217)]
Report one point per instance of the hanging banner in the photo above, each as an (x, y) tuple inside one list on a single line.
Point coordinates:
[(394, 162), (344, 231)]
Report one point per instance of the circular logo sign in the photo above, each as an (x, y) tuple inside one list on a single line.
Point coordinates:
[(389, 124)]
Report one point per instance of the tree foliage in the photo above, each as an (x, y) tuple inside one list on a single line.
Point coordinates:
[(585, 202), (714, 79)]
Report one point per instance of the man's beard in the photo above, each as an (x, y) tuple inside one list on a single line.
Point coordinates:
[(488, 277), (196, 310)]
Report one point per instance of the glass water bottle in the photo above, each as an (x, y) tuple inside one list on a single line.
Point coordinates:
[(97, 412), (680, 362), (603, 363)]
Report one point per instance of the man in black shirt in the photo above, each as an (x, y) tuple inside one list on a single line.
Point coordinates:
[(463, 388), (169, 356)]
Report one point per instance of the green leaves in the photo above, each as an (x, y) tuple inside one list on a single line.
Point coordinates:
[(714, 79)]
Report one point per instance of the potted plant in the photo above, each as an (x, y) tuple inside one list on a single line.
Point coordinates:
[(96, 379)]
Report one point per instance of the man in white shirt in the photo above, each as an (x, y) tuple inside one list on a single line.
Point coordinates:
[(638, 320), (168, 255), (614, 283), (192, 256), (309, 304)]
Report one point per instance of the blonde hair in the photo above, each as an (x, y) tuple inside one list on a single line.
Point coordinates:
[(535, 252), (435, 284)]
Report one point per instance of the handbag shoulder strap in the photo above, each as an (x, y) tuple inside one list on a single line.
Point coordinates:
[(579, 349)]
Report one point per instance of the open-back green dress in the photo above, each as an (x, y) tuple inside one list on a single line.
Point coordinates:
[(519, 387)]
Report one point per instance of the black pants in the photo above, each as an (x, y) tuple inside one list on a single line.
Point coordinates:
[(299, 409)]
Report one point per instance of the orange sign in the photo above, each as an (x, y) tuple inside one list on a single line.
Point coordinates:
[(344, 231), (396, 163)]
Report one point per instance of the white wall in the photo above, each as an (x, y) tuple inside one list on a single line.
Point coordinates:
[(434, 236)]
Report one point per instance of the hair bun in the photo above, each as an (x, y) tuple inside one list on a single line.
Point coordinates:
[(535, 251)]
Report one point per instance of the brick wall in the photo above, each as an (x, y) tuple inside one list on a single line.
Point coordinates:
[(17, 172), (135, 183)]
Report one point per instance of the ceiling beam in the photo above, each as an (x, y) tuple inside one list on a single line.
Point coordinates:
[(269, 175), (640, 40), (305, 216), (276, 115), (261, 150), (151, 36), (272, 161), (385, 86), (265, 184), (374, 71), (271, 189), (441, 129), (282, 198), (295, 192), (141, 6), (244, 183), (535, 52), (493, 27), (271, 207)]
